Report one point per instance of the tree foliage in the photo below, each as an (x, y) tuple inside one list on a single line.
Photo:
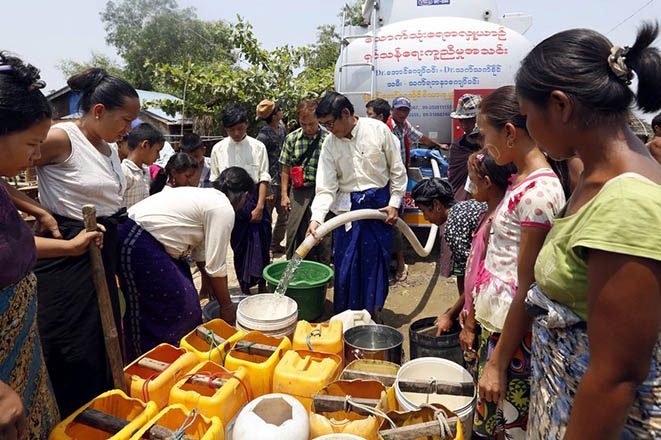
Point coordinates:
[(146, 32), (70, 67), (259, 74), (353, 13), (210, 63), (324, 52)]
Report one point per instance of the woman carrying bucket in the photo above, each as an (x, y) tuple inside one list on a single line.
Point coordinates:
[(163, 235), (596, 306)]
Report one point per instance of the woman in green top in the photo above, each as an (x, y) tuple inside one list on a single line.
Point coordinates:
[(597, 305)]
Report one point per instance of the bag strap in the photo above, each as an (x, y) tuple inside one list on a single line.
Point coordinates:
[(309, 151)]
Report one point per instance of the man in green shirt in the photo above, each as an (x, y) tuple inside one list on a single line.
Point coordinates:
[(299, 158)]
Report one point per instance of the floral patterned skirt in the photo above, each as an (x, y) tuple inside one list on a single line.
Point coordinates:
[(22, 364), (511, 416), (560, 357)]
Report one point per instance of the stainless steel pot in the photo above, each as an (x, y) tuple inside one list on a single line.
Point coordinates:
[(379, 342)]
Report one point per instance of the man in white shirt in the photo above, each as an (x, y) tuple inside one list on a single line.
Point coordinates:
[(360, 167), (251, 236)]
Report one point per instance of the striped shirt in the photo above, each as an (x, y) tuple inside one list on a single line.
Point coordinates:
[(137, 183)]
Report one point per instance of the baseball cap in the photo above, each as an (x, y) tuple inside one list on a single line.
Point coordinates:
[(400, 102)]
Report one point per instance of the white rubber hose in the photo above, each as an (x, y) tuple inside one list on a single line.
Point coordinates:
[(372, 214)]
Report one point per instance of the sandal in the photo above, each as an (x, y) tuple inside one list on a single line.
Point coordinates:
[(401, 276)]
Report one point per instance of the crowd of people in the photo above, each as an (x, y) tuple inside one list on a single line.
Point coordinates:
[(548, 210)]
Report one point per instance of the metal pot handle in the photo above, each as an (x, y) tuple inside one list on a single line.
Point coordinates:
[(358, 354)]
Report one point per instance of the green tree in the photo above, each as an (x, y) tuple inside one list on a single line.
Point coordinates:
[(353, 13), (260, 74), (70, 67), (147, 32), (324, 52)]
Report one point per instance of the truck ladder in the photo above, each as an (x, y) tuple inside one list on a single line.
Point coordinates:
[(344, 53)]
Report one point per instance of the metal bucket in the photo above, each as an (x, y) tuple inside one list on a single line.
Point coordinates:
[(427, 344), (379, 342)]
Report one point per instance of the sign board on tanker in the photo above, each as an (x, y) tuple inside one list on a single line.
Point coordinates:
[(427, 59)]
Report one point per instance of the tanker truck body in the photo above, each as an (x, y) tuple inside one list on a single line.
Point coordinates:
[(432, 51)]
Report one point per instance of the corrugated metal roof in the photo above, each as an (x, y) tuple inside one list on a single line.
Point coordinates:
[(145, 95)]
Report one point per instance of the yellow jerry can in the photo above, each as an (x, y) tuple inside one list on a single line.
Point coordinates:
[(327, 338), (343, 422), (154, 382), (114, 403), (301, 373), (223, 402), (259, 367), (202, 346), (174, 417), (423, 415)]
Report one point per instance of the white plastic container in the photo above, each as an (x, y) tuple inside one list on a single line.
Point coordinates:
[(272, 417), (270, 314), (441, 369)]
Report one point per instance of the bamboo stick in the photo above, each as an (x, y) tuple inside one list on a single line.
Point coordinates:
[(110, 334), (112, 425)]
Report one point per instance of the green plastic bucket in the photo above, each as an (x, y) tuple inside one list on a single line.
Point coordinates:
[(308, 288)]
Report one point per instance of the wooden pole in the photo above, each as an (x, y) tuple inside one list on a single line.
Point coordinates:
[(327, 403), (243, 346), (196, 379), (421, 430), (110, 334), (112, 425), (416, 386)]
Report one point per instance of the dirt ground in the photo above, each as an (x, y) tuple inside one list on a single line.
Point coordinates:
[(424, 293)]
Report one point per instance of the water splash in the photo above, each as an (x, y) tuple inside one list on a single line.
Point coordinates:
[(288, 275)]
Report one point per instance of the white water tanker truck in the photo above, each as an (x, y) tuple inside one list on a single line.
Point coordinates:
[(432, 51)]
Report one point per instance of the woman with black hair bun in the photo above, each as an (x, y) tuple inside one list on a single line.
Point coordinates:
[(596, 307), (434, 197), (181, 170), (164, 234), (80, 165), (27, 404)]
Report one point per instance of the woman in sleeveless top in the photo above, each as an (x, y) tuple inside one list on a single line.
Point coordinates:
[(27, 403), (79, 166)]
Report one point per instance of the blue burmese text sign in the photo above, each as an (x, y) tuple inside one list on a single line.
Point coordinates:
[(433, 2)]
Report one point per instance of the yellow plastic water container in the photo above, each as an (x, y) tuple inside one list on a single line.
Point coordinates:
[(327, 338), (209, 352), (151, 384), (175, 416), (341, 422), (260, 368), (301, 373), (223, 402), (114, 403)]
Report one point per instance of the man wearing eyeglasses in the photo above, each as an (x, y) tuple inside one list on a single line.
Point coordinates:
[(360, 167)]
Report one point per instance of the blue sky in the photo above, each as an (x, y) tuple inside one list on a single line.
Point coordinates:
[(46, 31)]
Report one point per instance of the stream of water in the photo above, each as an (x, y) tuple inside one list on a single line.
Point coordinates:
[(288, 275)]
